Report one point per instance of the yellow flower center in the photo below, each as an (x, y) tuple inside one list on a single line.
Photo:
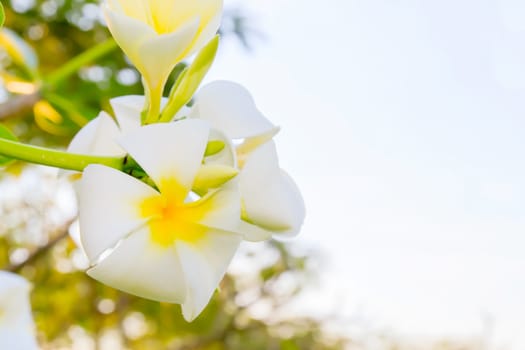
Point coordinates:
[(170, 218)]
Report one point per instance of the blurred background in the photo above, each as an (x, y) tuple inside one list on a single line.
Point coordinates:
[(402, 123)]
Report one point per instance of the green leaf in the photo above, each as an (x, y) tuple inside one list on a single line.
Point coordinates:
[(5, 133), (2, 15), (189, 80)]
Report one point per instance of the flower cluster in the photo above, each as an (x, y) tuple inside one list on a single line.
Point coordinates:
[(197, 180)]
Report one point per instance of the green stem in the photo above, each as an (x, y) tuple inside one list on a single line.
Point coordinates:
[(69, 107), (57, 159), (80, 61), (154, 98)]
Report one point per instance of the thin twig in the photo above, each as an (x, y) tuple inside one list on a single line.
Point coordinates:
[(18, 105), (63, 233)]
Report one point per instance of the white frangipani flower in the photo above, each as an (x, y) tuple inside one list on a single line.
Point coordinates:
[(231, 111), (158, 34), (17, 330), (159, 244)]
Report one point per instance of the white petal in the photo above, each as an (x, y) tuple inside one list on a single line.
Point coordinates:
[(227, 156), (229, 107), (250, 144), (16, 322), (271, 199), (18, 338), (220, 209), (109, 208), (129, 33), (138, 9), (204, 266), (98, 137), (169, 150), (208, 31), (159, 55), (11, 283), (140, 267), (253, 233), (295, 208), (128, 109), (114, 5)]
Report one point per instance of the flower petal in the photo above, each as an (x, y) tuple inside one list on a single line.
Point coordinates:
[(12, 283), (140, 267), (169, 150), (295, 208), (114, 5), (138, 9), (129, 33), (250, 144), (108, 208), (220, 209), (98, 137), (271, 199), (208, 29), (16, 322), (158, 55), (18, 338), (230, 108), (227, 156), (127, 110), (171, 15), (212, 176), (253, 233), (204, 266)]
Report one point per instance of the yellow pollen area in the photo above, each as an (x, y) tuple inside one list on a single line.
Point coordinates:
[(170, 218)]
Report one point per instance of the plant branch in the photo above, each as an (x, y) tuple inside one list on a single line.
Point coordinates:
[(54, 158), (71, 67), (18, 105), (63, 233)]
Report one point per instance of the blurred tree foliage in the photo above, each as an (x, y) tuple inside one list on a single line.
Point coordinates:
[(71, 310)]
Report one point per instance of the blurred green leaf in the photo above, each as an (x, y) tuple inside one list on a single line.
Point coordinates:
[(5, 133), (2, 14)]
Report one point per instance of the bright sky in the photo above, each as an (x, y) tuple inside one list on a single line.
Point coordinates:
[(402, 122)]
